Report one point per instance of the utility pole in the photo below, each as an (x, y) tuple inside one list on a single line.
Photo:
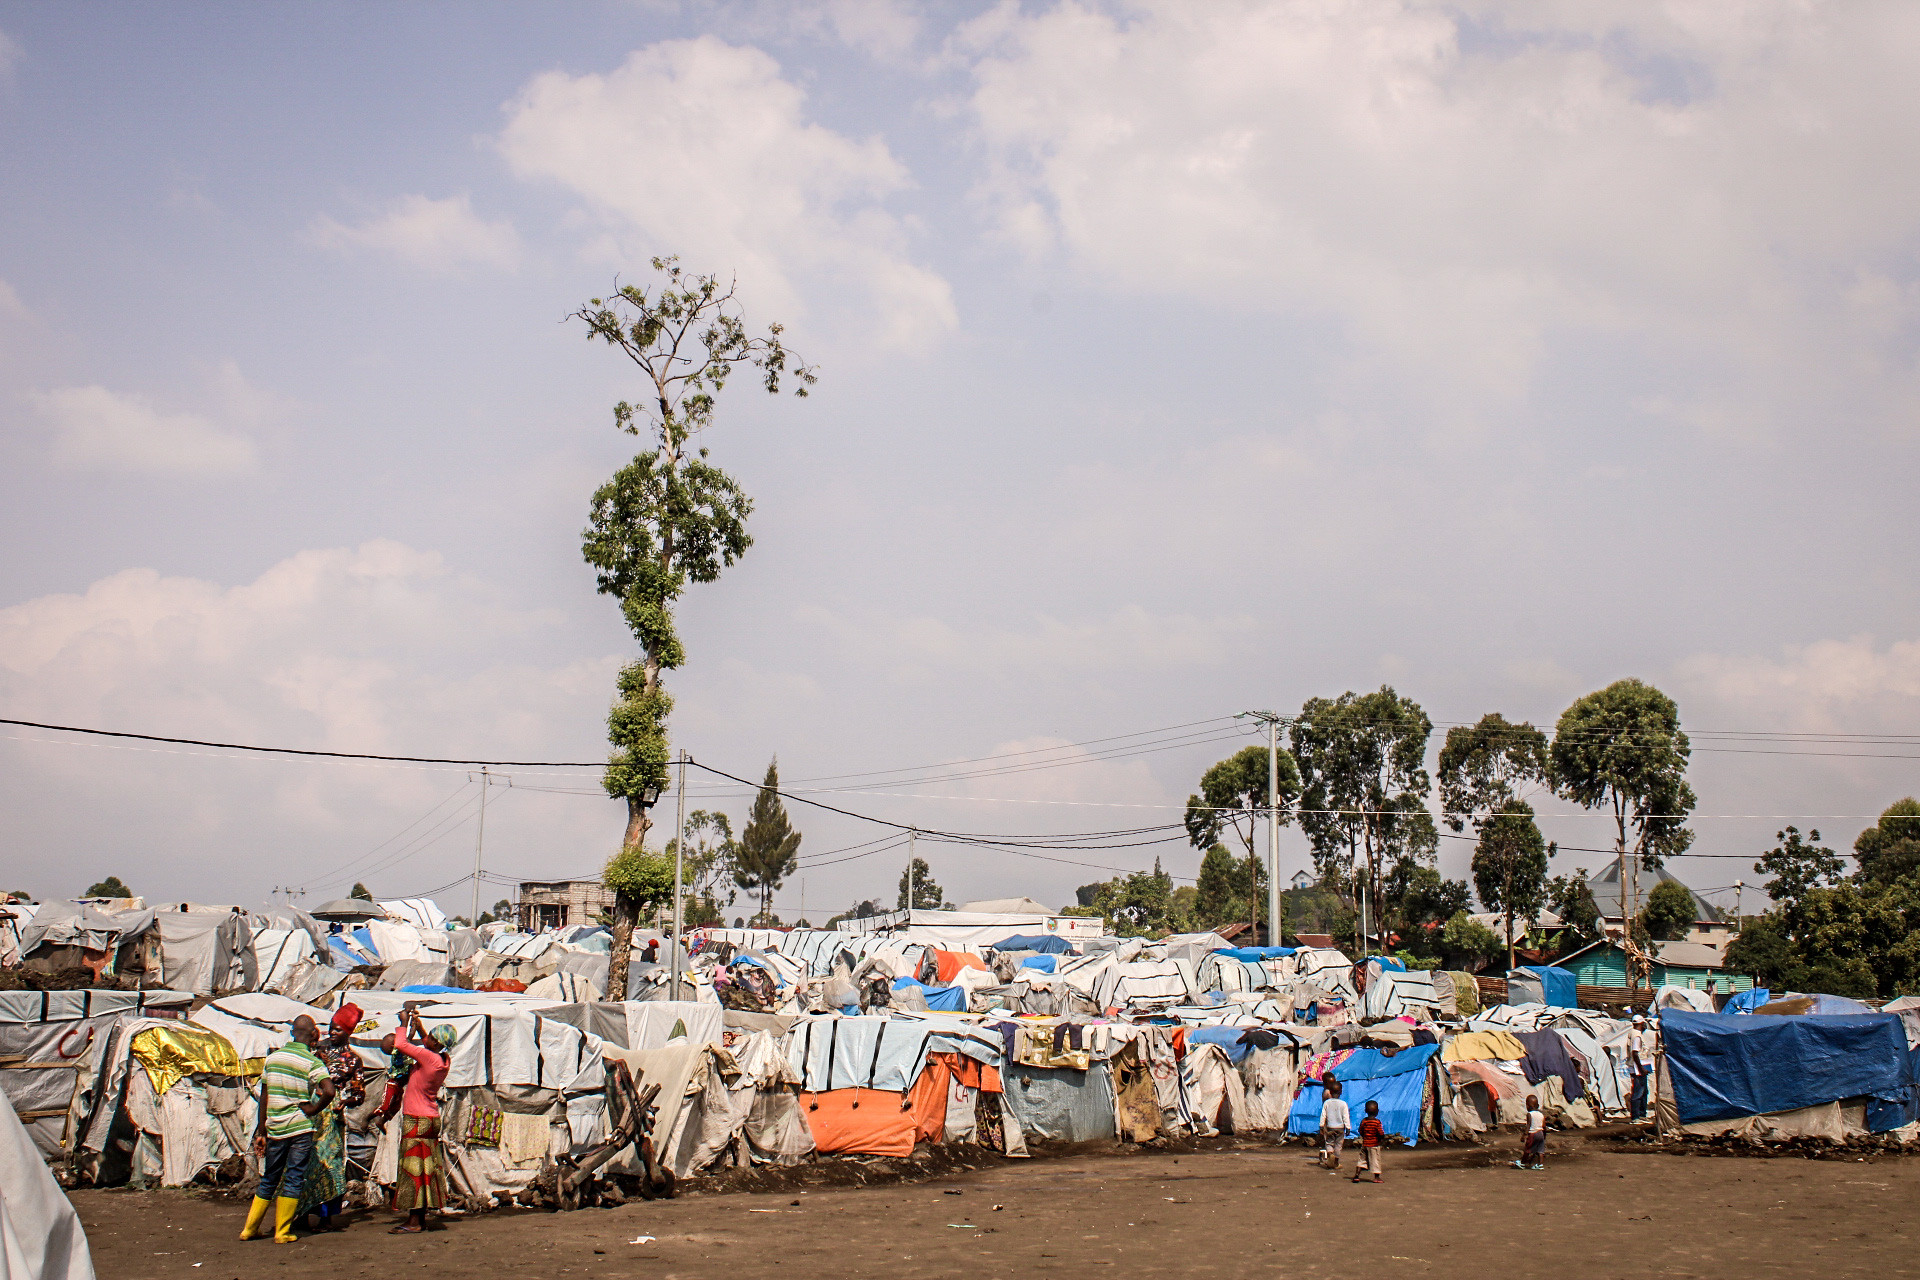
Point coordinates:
[(1739, 886), (479, 845), (679, 859), (1273, 723)]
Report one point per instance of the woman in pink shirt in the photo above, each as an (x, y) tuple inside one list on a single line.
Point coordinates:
[(423, 1181)]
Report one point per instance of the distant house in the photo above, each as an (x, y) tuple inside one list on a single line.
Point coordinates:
[(1304, 880), (1710, 924), (555, 904), (1680, 964), (1497, 921)]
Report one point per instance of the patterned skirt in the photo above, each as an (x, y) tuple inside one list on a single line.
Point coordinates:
[(423, 1169), (327, 1169)]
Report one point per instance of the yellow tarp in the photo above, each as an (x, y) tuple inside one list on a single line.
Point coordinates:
[(168, 1053), (1477, 1046)]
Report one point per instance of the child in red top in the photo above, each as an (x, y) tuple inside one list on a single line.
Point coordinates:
[(1372, 1134)]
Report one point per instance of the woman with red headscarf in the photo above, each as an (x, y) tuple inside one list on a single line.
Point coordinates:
[(326, 1181)]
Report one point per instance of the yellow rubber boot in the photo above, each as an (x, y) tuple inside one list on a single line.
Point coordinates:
[(255, 1216), (283, 1225)]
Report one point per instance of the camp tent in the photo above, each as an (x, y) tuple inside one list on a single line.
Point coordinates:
[(1542, 984), (1728, 1068), (40, 1233)]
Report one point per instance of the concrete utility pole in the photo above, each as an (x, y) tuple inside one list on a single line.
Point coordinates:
[(910, 835), (679, 859), (1273, 723), (479, 846), (1739, 887)]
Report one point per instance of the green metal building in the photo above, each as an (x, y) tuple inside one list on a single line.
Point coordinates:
[(1678, 964)]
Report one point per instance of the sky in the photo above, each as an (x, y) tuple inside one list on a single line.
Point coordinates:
[(1175, 361)]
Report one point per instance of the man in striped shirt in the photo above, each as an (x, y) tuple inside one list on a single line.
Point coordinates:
[(295, 1086)]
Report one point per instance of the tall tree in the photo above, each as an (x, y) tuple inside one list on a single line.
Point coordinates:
[(1139, 904), (1229, 889), (1362, 761), (1798, 865), (1621, 749), (1571, 898), (1668, 915), (707, 866), (769, 849), (669, 517), (1485, 771), (927, 896), (1234, 797), (1890, 849), (1510, 866)]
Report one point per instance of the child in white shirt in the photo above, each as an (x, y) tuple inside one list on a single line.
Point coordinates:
[(1334, 1123), (1535, 1143)]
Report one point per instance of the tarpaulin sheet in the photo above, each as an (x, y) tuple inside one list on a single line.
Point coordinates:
[(1399, 1098), (1557, 985), (1228, 1038), (1748, 1001), (1727, 1065), (948, 999), (1904, 1108), (1372, 1064), (1044, 963), (1045, 943), (1256, 954), (169, 1053)]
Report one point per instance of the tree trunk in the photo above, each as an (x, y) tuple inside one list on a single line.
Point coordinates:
[(620, 953)]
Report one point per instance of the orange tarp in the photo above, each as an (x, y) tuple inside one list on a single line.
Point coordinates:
[(868, 1122), (948, 963)]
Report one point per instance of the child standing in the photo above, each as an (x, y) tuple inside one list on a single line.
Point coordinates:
[(1534, 1145), (1334, 1122), (1372, 1134)]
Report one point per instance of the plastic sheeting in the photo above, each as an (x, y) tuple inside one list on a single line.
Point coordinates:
[(171, 1052), (40, 1233), (1398, 1094), (1725, 1065), (1060, 1103), (947, 999), (1044, 943), (1554, 986)]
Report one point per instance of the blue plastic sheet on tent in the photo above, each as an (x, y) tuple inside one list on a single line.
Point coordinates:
[(940, 999), (1045, 943), (1902, 1109), (1398, 1093), (1827, 1006), (1255, 954), (1747, 1001), (1557, 984), (1045, 964), (1227, 1038), (1388, 962), (1725, 1065), (428, 989)]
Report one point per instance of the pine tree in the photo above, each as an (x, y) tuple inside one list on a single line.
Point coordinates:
[(769, 847)]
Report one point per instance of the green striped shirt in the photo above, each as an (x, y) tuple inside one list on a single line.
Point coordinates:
[(292, 1073)]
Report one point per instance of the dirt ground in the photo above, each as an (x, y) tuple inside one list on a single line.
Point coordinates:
[(1599, 1209)]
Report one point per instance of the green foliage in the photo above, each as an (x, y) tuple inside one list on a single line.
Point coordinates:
[(21, 895), (1466, 943), (361, 892), (1487, 766), (1890, 849), (1510, 863), (640, 878), (1668, 915), (1621, 748), (858, 911), (1571, 898), (1085, 913), (637, 728), (1234, 796), (111, 887), (1364, 804), (707, 866), (1139, 904), (1229, 889), (1798, 865), (927, 896), (769, 848), (1420, 903), (1764, 951), (502, 910), (1086, 893)]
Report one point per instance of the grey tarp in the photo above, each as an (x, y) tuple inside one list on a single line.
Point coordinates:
[(207, 952), (1060, 1103)]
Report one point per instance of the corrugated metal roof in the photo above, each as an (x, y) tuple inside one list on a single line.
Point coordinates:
[(1605, 887)]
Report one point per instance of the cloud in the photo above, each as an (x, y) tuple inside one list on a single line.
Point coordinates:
[(377, 648), (97, 429), (703, 149), (10, 55), (1828, 686), (1456, 190), (434, 235)]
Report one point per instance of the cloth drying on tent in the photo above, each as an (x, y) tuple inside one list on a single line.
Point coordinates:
[(1547, 1055), (1478, 1045)]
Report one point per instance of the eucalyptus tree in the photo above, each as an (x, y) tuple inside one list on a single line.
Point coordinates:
[(1363, 806), (1485, 771), (667, 518), (1620, 749)]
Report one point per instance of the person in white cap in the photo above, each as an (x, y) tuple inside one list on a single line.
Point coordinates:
[(1640, 1063)]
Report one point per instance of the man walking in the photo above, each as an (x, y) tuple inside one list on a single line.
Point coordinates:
[(295, 1086)]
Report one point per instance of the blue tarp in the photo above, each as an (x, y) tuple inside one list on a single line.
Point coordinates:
[(1726, 1065), (1256, 954), (428, 989), (940, 999), (1043, 942), (1388, 962), (1371, 1064), (1904, 1109), (1045, 964), (1399, 1097), (1557, 983), (1747, 1001)]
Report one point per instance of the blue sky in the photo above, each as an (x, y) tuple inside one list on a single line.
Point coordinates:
[(1174, 361)]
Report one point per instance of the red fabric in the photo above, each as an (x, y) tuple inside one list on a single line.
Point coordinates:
[(1179, 1043), (1371, 1131), (504, 984), (948, 963), (422, 1097), (347, 1018), (878, 1126), (927, 1103)]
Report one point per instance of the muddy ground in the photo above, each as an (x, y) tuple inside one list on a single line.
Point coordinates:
[(1602, 1208)]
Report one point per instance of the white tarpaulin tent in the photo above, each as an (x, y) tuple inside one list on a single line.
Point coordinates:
[(40, 1234)]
